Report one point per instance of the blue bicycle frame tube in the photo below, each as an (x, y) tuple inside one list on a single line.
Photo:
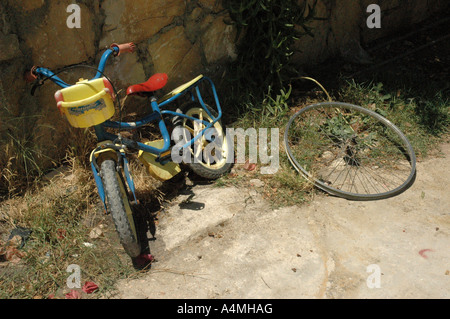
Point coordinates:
[(103, 135), (103, 60), (199, 97), (133, 125)]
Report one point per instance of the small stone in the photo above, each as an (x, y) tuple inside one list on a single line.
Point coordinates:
[(96, 232), (257, 183)]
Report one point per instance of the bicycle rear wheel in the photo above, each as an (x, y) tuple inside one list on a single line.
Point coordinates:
[(349, 151), (210, 155)]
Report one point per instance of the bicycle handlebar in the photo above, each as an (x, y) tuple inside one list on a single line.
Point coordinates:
[(115, 49)]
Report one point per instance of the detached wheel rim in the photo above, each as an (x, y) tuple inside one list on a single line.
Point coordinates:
[(349, 151)]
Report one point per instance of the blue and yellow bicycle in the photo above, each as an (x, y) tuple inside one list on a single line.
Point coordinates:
[(192, 135)]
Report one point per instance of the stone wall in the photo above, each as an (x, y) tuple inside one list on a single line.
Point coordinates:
[(180, 37)]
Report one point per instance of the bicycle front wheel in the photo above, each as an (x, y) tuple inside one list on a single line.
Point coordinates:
[(349, 151), (120, 208)]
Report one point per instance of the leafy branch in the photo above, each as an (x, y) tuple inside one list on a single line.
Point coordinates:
[(267, 31)]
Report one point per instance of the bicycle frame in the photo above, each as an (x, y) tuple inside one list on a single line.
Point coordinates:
[(157, 115)]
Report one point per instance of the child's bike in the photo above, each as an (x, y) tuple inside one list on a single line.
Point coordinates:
[(191, 135)]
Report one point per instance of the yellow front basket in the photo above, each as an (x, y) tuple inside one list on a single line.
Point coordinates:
[(87, 103)]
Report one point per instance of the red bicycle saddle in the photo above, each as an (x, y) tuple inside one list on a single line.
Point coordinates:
[(155, 83)]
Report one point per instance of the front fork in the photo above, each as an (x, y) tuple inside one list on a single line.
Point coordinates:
[(105, 150), (108, 149)]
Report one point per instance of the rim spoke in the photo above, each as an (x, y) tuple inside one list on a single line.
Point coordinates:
[(218, 156)]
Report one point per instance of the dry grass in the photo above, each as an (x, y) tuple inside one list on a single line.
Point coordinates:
[(61, 213)]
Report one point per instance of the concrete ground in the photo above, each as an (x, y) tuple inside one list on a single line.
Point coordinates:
[(228, 243)]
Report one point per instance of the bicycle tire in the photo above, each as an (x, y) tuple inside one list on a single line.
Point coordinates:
[(119, 206), (323, 140), (204, 168)]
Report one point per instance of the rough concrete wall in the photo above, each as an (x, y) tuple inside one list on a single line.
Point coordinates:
[(180, 37)]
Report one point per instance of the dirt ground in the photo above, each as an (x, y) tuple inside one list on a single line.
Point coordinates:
[(228, 243)]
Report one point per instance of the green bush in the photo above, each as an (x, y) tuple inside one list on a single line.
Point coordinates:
[(267, 31)]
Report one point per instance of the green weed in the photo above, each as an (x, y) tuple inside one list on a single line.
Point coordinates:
[(267, 31), (423, 119), (61, 216)]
